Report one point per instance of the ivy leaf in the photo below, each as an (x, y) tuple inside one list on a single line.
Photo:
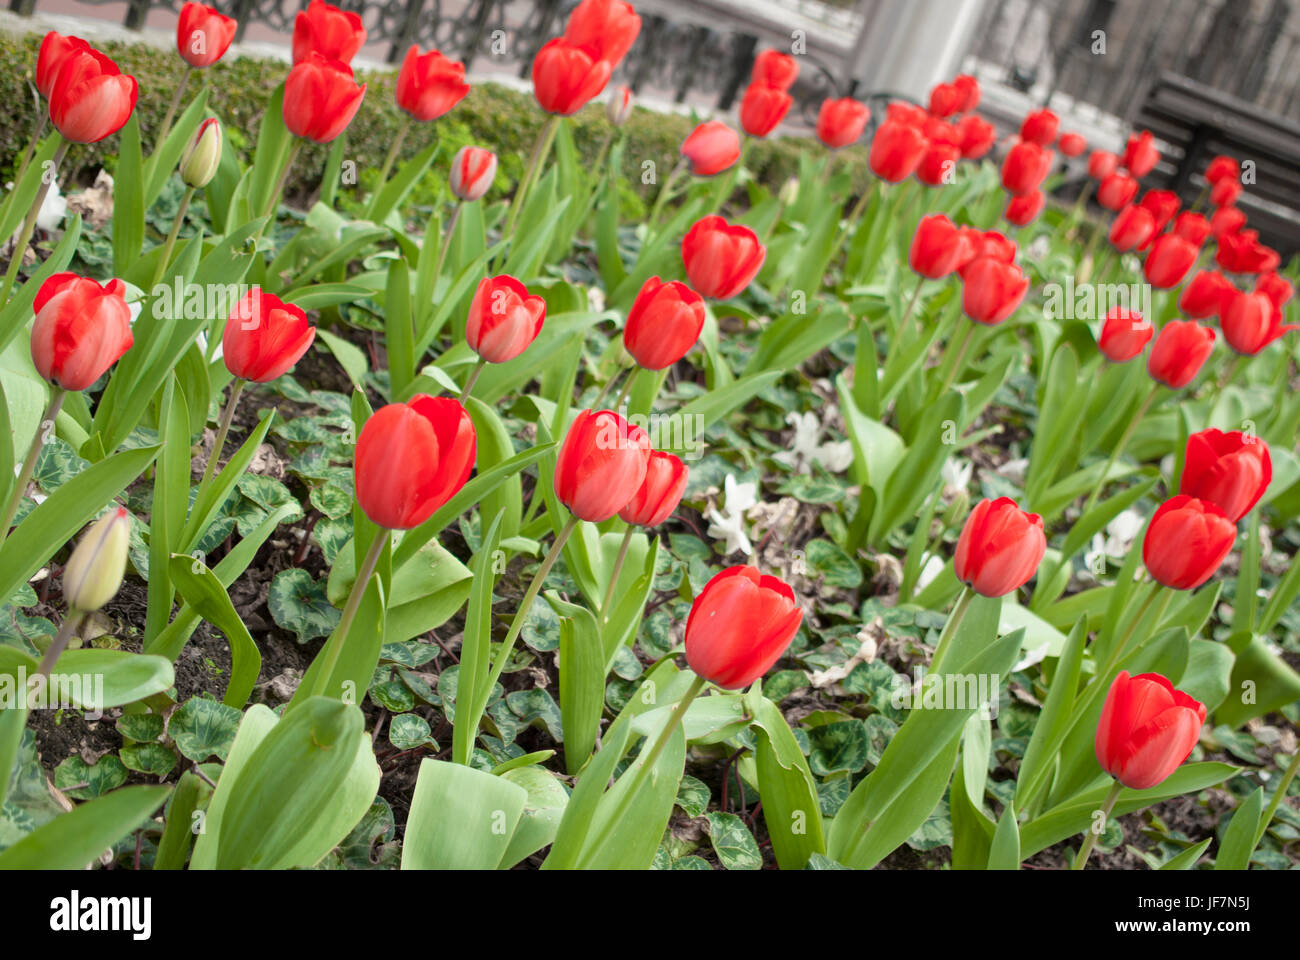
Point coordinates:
[(838, 748), (107, 774), (827, 560), (299, 604), (151, 758), (693, 796), (203, 728), (733, 843), (406, 731)]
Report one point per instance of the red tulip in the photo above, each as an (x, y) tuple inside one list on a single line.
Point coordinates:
[(1206, 294), (976, 136), (938, 247), (1179, 352), (566, 76), (941, 132), (472, 171), (1024, 207), (601, 465), (1226, 220), (999, 548), (663, 324), (1124, 335), (938, 164), (1133, 227), (1141, 155), (763, 108), (896, 149), (1147, 729), (411, 458), (264, 337), (1225, 193), (1116, 190), (1251, 321), (1241, 252), (711, 148), (55, 49), (80, 330), (1163, 204), (992, 290), (429, 84), (970, 90), (1072, 144), (320, 98), (1229, 470), (660, 492), (1169, 260), (609, 26), (721, 258), (1222, 168), (841, 122), (1186, 541), (740, 625), (91, 99), (908, 114), (503, 319), (1025, 167), (772, 68), (946, 99), (1101, 164), (325, 29), (1192, 227), (988, 243), (1276, 288), (1040, 127), (203, 35)]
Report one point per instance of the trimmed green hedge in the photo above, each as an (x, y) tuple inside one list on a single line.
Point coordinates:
[(494, 116)]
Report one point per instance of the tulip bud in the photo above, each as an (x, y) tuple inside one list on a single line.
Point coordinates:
[(1147, 728), (1230, 470), (959, 507), (1186, 542), (721, 258), (97, 565), (740, 624), (660, 492), (1180, 351), (663, 324), (789, 191), (202, 156), (601, 465), (619, 107), (999, 548), (1124, 335), (472, 171)]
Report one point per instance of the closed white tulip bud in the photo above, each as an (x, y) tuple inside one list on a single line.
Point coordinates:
[(619, 106), (472, 171), (202, 155), (94, 572), (789, 191)]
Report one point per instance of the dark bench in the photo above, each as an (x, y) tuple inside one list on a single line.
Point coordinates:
[(1197, 123)]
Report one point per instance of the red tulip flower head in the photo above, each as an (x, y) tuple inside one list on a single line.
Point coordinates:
[(660, 492), (1179, 352), (203, 35), (1186, 541), (1025, 167), (970, 90), (1132, 228), (1163, 204), (1024, 208), (1222, 168), (992, 290), (567, 75), (938, 247), (1206, 294), (938, 164), (1116, 190), (1230, 470), (1147, 729), (1141, 155), (1040, 127), (999, 548), (711, 148), (503, 319), (740, 625), (946, 99), (1101, 164), (1276, 288), (325, 29), (663, 324), (55, 49), (772, 68), (91, 99), (1192, 227), (601, 465), (1225, 193), (609, 26), (429, 84), (896, 149), (1226, 220), (976, 136), (1168, 260), (472, 171), (80, 330), (1241, 252), (320, 98), (1124, 335), (987, 243), (265, 337), (1072, 144), (721, 258), (763, 108), (841, 122), (411, 458), (1251, 321)]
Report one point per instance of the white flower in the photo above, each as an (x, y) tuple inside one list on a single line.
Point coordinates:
[(729, 525), (1122, 531), (834, 457), (1014, 470), (807, 430), (53, 209), (956, 474), (931, 567), (595, 299)]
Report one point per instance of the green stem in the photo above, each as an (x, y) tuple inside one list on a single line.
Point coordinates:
[(1088, 251), (59, 643), (911, 304), (540, 151), (664, 193), (219, 444), (613, 577), (446, 240), (1119, 448), (850, 225), (389, 160), (171, 237), (604, 391), (273, 203), (950, 628), (46, 426), (27, 155), (957, 359), (172, 108), (29, 225), (473, 379), (627, 388), (1091, 834), (1278, 794), (340, 635)]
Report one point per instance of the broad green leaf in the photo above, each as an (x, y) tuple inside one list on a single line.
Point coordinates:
[(461, 818)]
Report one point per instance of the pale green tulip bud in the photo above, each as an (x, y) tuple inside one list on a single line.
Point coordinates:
[(955, 515), (98, 563), (789, 191), (203, 155)]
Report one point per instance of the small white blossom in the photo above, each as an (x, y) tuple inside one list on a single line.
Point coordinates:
[(729, 524)]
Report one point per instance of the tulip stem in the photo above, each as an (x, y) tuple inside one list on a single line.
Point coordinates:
[(1119, 448), (340, 635), (389, 160), (911, 305), (950, 628), (599, 166), (855, 215), (541, 149), (473, 379), (46, 427), (172, 107), (219, 444), (273, 203), (1229, 371), (60, 643), (664, 193), (446, 240), (29, 225), (1097, 828), (627, 388), (1292, 768), (604, 391), (618, 570), (957, 358), (27, 154), (1085, 262), (171, 237)]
